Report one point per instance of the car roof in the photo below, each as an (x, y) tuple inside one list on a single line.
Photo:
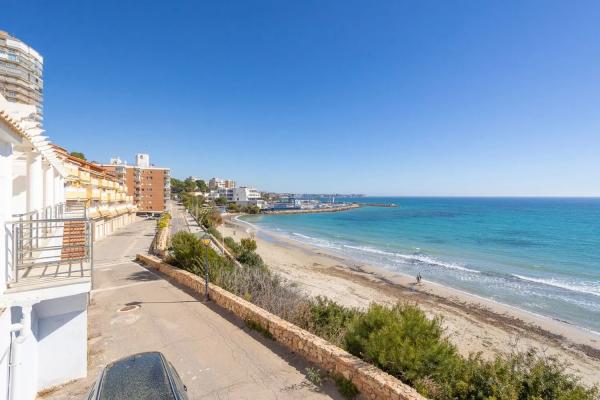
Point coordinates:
[(139, 376)]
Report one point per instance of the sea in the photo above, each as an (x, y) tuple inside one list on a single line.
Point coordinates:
[(541, 255)]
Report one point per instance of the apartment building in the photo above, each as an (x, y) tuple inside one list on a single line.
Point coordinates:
[(98, 192), (21, 73), (44, 284), (149, 186), (218, 183)]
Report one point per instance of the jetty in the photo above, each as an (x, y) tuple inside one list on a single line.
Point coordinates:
[(387, 205), (344, 207)]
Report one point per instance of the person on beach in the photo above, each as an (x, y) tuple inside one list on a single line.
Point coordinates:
[(419, 278)]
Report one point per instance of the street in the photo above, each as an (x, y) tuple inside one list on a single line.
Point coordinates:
[(216, 355)]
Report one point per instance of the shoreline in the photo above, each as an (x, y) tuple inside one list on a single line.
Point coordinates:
[(473, 323)]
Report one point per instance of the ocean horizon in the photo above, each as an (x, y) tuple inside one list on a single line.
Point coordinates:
[(539, 254)]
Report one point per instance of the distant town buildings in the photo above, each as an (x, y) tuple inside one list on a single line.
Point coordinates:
[(218, 183), (21, 73), (150, 186)]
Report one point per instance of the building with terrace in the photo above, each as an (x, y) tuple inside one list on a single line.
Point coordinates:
[(99, 192), (46, 259)]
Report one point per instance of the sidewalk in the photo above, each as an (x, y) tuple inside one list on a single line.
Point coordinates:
[(216, 355)]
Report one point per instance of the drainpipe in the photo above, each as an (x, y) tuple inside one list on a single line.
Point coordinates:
[(24, 329)]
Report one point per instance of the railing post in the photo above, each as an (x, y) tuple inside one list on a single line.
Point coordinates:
[(15, 250)]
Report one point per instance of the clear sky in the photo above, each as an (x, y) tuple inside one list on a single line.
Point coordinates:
[(377, 97)]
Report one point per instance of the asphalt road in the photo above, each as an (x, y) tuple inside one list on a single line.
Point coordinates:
[(216, 355)]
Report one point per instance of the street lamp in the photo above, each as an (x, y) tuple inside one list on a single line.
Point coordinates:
[(206, 242)]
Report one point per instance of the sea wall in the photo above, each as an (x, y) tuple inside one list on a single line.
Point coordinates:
[(372, 382)]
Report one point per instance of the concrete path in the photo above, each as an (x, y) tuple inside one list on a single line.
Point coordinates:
[(216, 356)]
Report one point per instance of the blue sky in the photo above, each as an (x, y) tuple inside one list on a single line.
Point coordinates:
[(385, 97)]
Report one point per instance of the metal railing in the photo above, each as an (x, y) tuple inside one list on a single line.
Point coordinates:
[(55, 242)]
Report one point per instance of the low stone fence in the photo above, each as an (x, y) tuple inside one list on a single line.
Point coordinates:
[(372, 382)]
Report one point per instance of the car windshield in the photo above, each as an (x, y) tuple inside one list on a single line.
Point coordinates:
[(141, 376)]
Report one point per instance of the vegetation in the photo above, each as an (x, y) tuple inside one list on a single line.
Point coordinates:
[(346, 387), (233, 208), (202, 186), (250, 323), (400, 340), (314, 376), (78, 154), (221, 201), (163, 221)]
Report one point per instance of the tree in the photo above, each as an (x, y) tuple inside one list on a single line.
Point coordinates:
[(78, 154), (202, 186), (189, 185), (233, 207), (177, 185), (221, 201)]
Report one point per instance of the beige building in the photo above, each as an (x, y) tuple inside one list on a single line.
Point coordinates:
[(97, 193), (150, 186), (21, 73)]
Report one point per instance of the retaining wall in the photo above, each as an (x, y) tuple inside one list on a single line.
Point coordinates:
[(372, 382)]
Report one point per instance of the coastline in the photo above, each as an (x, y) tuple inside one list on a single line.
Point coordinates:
[(473, 323)]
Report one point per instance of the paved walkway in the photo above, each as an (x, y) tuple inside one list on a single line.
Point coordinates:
[(215, 354)]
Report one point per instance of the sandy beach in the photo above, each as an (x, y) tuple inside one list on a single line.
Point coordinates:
[(474, 324)]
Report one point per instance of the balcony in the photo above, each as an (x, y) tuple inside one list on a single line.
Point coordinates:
[(94, 194), (76, 193), (48, 252), (84, 176)]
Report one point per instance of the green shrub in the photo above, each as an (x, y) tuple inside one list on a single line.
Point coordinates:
[(252, 324), (190, 254), (346, 387), (330, 320), (314, 376), (232, 246), (404, 342), (163, 221), (248, 244), (215, 232)]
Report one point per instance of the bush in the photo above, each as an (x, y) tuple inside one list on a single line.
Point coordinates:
[(251, 209), (233, 207), (404, 342), (215, 232), (163, 221), (190, 254), (330, 320), (232, 246), (346, 387), (248, 244)]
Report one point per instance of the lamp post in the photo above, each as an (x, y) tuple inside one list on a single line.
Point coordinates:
[(206, 242)]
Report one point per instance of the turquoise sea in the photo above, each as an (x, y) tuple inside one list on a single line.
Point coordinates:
[(538, 254)]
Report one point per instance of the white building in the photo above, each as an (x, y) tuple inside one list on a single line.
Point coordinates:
[(216, 183), (44, 285), (142, 160)]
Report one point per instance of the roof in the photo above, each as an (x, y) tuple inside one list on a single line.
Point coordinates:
[(19, 118)]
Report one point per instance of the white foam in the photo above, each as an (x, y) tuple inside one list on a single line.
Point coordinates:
[(580, 287)]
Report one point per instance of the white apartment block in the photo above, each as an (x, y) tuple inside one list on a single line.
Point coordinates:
[(44, 286)]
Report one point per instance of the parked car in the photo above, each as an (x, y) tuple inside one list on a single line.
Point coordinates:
[(142, 376)]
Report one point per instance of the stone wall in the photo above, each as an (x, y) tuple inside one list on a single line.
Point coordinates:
[(372, 382)]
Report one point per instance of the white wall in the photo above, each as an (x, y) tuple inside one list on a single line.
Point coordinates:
[(62, 337), (4, 351)]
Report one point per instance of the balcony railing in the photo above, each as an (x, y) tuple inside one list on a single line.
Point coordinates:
[(50, 247)]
